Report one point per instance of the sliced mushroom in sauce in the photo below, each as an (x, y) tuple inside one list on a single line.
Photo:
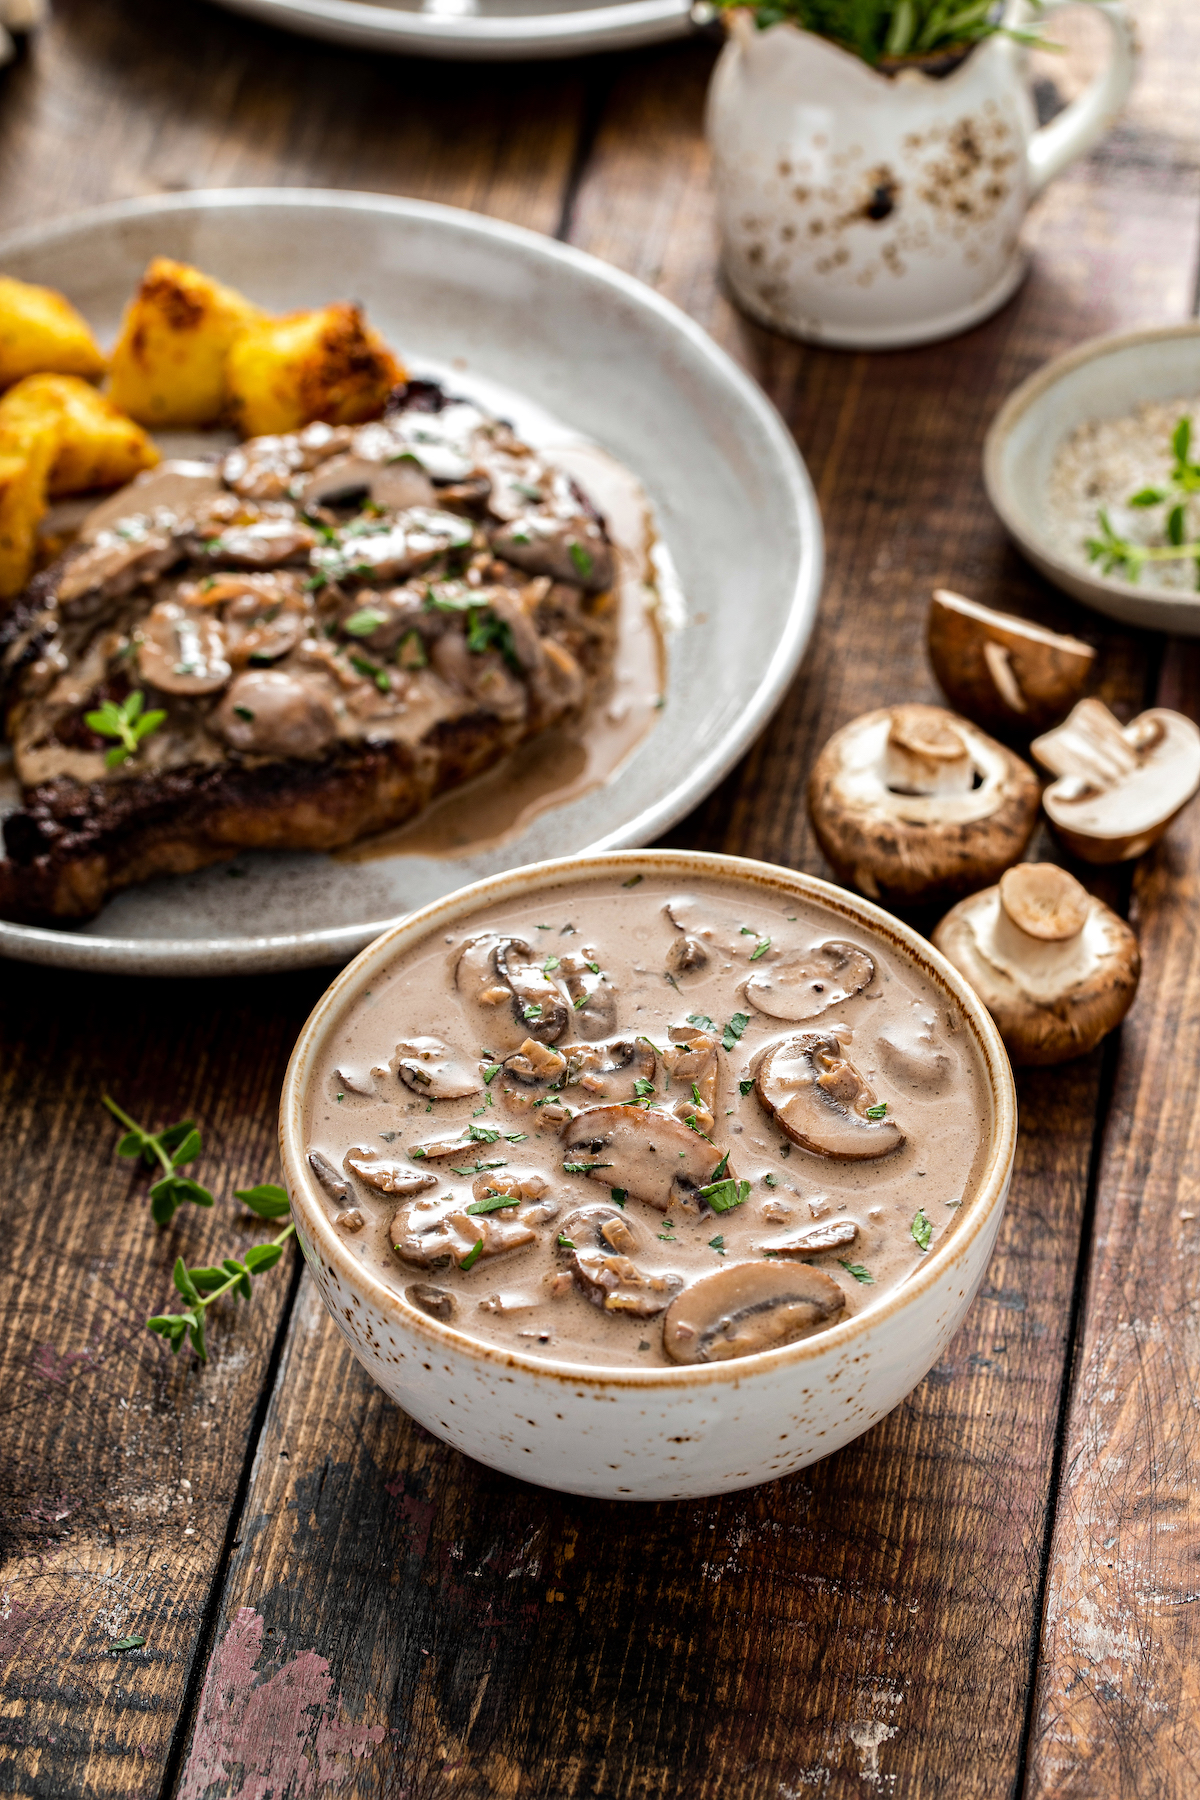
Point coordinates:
[(748, 1308), (651, 1155), (816, 1095), (600, 1245), (425, 1065), (805, 986)]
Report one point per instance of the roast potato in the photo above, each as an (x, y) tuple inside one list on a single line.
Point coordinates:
[(168, 366), (39, 330), (24, 478), (325, 364), (97, 446)]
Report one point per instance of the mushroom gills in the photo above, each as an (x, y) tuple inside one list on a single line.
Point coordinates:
[(838, 1234), (748, 1308), (805, 986), (819, 1099), (499, 973), (1118, 787), (652, 1155)]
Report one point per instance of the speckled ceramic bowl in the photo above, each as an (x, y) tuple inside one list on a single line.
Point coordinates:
[(663, 1433)]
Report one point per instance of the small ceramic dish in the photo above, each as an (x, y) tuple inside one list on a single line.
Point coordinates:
[(661, 1433), (1106, 378)]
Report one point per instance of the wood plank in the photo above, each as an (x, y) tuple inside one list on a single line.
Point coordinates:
[(1116, 1699), (867, 1625), (102, 1433)]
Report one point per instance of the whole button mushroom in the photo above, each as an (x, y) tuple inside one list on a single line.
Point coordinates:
[(1055, 967), (804, 986), (1002, 671), (748, 1308), (267, 712), (1119, 786), (821, 1102), (915, 804)]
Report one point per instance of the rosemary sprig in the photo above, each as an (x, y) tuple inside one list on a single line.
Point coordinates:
[(126, 722), (170, 1148)]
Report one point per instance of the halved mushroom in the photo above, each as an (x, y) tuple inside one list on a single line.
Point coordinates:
[(181, 651), (438, 1302), (1003, 671), (600, 1244), (838, 1234), (268, 712), (746, 1308), (1055, 967), (384, 1175), (914, 1055), (499, 972), (818, 1098), (430, 1239), (1119, 786), (652, 1155), (912, 803), (808, 984), (427, 1067), (334, 1183)]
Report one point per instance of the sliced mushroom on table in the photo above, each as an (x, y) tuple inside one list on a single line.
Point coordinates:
[(915, 804), (804, 986), (600, 1243), (748, 1308), (429, 1068), (650, 1154), (1002, 671), (1118, 786), (1055, 967), (818, 1098)]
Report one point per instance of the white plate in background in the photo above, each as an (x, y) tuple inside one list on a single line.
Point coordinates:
[(464, 30)]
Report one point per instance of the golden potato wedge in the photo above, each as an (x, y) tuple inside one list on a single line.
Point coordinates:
[(168, 366), (326, 364), (97, 445), (24, 479), (40, 330)]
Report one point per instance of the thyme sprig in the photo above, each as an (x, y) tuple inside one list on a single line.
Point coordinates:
[(170, 1148), (126, 722), (1118, 555), (886, 29)]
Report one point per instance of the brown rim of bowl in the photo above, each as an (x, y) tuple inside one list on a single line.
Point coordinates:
[(535, 878), (1015, 522)]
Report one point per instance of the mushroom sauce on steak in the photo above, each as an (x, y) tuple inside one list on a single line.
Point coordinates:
[(620, 1124), (294, 646)]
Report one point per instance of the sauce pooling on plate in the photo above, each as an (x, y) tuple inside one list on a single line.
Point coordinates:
[(625, 1124)]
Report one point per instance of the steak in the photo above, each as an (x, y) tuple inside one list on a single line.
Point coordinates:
[(294, 647)]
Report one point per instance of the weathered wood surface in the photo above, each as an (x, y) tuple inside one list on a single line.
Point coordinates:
[(373, 1615)]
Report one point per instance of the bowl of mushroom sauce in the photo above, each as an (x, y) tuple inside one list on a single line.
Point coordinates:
[(651, 1174)]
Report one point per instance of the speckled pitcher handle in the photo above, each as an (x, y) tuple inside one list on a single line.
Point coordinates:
[(1081, 126)]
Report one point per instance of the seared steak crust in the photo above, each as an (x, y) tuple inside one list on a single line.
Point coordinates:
[(330, 631)]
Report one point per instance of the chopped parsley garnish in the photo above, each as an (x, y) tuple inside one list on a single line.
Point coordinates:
[(760, 949), (494, 1203), (702, 1020), (128, 1643), (532, 1012), (566, 1242), (594, 967), (372, 671), (583, 560), (479, 1169), (719, 1172), (244, 712), (127, 722), (551, 963), (582, 1168), (486, 632), (748, 931), (483, 1134), (361, 624), (877, 1112), (696, 1095), (717, 1244), (734, 1030), (644, 1090), (619, 1196), (922, 1229), (723, 1196), (633, 881), (580, 1000), (488, 1073), (771, 1180), (473, 1255), (745, 1086), (858, 1272)]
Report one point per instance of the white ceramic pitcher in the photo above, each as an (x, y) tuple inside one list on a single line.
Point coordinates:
[(873, 211)]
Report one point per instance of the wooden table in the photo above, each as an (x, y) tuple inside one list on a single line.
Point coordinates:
[(993, 1592)]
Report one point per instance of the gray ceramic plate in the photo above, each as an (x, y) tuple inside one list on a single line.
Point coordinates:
[(1105, 378), (463, 29), (584, 343)]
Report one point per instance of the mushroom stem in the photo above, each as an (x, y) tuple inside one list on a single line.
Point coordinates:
[(925, 754)]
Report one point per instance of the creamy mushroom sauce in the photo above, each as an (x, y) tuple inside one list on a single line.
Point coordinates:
[(768, 1092)]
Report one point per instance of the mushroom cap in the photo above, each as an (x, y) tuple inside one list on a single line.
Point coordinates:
[(806, 985), (1003, 671), (747, 1308), (267, 712), (901, 848), (385, 1174), (1118, 787), (818, 1098), (182, 651), (1052, 997), (652, 1155)]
